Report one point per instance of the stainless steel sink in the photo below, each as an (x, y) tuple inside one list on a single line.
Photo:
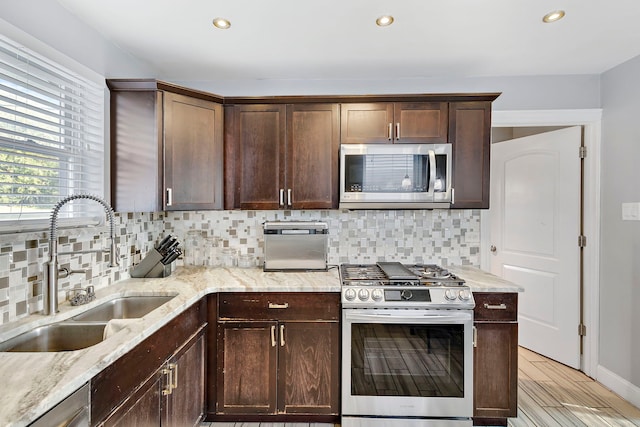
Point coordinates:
[(83, 330), (63, 336), (123, 308)]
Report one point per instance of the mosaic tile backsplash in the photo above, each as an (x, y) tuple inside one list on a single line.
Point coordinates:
[(438, 236)]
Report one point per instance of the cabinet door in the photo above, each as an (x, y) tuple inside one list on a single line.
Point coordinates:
[(495, 367), (312, 156), (136, 147), (366, 123), (470, 134), (308, 379), (193, 155), (247, 367), (141, 409), (257, 159), (421, 122), (185, 405)]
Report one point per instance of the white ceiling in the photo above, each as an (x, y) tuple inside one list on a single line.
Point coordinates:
[(338, 39)]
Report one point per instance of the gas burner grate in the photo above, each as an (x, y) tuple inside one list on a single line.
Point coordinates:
[(361, 272), (435, 275)]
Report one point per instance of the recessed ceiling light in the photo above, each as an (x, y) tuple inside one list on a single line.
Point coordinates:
[(554, 16), (384, 21), (221, 23)]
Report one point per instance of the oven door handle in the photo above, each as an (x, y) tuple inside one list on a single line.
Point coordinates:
[(430, 318)]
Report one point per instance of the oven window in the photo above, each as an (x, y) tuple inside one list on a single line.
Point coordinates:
[(407, 360)]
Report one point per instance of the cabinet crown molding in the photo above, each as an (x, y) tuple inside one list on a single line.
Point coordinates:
[(152, 84)]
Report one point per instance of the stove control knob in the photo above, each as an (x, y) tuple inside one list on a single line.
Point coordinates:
[(363, 294), (406, 294), (349, 294), (465, 295), (377, 294), (451, 294)]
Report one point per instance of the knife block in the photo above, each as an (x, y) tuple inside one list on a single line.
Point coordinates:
[(150, 266)]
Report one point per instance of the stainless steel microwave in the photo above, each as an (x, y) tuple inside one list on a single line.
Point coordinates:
[(395, 176)]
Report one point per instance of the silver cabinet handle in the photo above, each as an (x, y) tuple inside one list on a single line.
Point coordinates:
[(273, 336), (282, 197), (398, 131), (492, 248), (274, 305), (453, 196), (390, 132), (169, 196), (475, 336), (289, 201), (495, 306), (281, 335)]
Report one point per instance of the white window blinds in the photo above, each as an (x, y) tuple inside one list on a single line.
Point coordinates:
[(51, 137)]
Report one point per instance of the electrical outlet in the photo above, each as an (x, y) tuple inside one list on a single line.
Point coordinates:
[(631, 211)]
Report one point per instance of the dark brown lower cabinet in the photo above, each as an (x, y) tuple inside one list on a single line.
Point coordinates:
[(159, 382), (172, 396), (278, 357), (495, 393)]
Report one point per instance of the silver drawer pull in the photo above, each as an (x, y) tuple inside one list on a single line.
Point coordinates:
[(495, 307), (273, 305)]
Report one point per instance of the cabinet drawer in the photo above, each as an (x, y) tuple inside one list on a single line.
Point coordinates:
[(279, 306), (498, 306)]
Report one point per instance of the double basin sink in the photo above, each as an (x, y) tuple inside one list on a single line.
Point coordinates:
[(85, 329)]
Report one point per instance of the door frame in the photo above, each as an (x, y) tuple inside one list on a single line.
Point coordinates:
[(591, 122)]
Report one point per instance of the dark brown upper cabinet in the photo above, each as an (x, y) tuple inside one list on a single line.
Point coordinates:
[(394, 122), (470, 134), (166, 147), (281, 156)]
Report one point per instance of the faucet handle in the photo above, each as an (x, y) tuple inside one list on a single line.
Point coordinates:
[(81, 296), (65, 272)]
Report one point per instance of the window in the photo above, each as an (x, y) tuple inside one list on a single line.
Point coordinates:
[(51, 137)]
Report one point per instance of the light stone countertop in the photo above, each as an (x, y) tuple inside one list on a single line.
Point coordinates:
[(481, 281), (35, 382), (32, 383)]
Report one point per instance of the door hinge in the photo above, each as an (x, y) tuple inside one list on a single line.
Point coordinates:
[(582, 241), (582, 330), (583, 152)]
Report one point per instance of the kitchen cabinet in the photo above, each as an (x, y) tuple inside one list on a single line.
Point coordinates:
[(278, 357), (394, 122), (166, 147), (161, 381), (281, 156), (495, 361), (470, 134)]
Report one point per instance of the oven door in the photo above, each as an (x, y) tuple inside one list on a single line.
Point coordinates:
[(407, 363)]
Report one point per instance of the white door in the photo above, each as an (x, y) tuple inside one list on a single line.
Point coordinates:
[(535, 224)]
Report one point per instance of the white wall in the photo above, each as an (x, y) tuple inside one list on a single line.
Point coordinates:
[(49, 22), (620, 240), (518, 92)]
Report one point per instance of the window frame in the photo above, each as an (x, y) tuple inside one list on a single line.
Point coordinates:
[(94, 212)]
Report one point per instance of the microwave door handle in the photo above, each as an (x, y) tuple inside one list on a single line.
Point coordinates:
[(432, 171)]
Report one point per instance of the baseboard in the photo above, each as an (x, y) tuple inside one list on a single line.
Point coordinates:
[(619, 385)]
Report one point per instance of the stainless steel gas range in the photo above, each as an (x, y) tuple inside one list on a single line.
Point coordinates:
[(407, 346)]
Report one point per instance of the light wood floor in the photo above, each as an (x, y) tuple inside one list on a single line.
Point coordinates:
[(549, 395)]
